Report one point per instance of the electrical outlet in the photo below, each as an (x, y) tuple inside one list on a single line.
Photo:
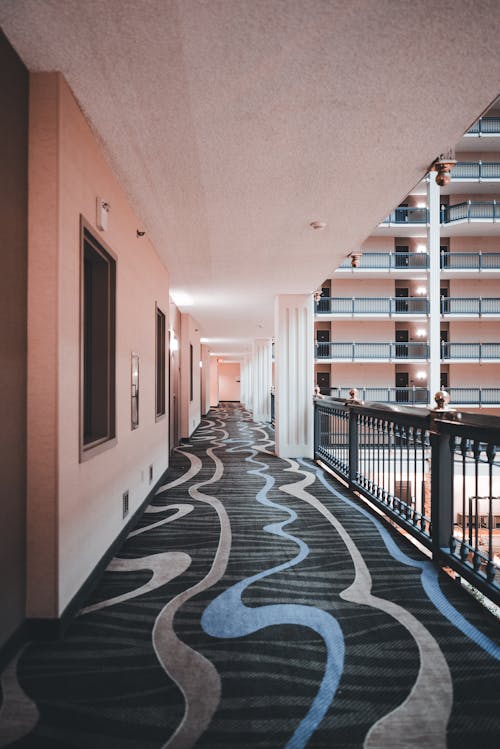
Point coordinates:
[(125, 504), (150, 473)]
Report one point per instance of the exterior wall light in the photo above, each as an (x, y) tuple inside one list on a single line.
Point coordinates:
[(421, 290), (421, 375), (421, 333), (443, 166), (355, 258)]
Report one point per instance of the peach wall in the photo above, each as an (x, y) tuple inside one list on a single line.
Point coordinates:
[(76, 507), (190, 406), (361, 330), (475, 287), (229, 385), (474, 375), (475, 244), (474, 331)]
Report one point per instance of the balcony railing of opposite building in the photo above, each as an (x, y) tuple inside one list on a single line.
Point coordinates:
[(389, 260), (407, 215), (372, 305), (485, 126), (384, 351), (476, 170), (474, 396), (433, 475), (470, 260), (408, 395), (485, 210), (472, 351), (467, 306)]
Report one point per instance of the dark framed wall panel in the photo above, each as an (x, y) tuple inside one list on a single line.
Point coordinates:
[(14, 84), (97, 344)]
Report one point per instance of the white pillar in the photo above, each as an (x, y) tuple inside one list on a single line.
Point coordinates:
[(294, 361), (262, 379), (433, 245), (244, 381), (205, 379)]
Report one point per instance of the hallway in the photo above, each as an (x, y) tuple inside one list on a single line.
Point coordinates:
[(258, 604)]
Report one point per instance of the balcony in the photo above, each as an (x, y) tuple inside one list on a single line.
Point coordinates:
[(474, 396), (409, 395), (487, 210), (484, 126), (407, 215), (470, 307), (370, 351), (476, 171), (415, 396), (470, 351), (377, 262), (488, 261), (433, 473), (372, 306)]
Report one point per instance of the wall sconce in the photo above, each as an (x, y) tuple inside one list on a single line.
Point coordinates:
[(317, 296), (421, 290), (102, 210), (421, 248), (355, 258), (443, 166), (421, 375), (420, 332)]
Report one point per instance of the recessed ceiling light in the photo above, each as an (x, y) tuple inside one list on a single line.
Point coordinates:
[(317, 224)]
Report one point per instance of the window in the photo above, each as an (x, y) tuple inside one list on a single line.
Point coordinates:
[(160, 363), (98, 278)]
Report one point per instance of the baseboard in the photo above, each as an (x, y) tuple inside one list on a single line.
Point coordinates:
[(54, 629)]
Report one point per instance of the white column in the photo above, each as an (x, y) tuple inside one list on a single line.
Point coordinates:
[(433, 244), (262, 379), (294, 362), (244, 381), (205, 379), (249, 383)]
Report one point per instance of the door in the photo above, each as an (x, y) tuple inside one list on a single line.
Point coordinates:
[(401, 295), (402, 387), (173, 386), (401, 256), (323, 340), (324, 304), (402, 338), (444, 381), (323, 381)]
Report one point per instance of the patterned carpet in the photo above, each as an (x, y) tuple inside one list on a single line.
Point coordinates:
[(257, 605)]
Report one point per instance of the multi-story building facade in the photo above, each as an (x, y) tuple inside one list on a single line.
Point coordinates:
[(418, 307)]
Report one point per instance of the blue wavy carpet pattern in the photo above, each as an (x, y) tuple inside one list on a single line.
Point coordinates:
[(257, 604)]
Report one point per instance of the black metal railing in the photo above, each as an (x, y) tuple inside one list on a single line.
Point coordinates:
[(485, 126), (272, 408), (353, 351), (434, 474)]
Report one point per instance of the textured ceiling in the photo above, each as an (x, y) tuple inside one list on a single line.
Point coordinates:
[(234, 123)]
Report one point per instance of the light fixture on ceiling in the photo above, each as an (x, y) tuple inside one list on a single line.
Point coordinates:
[(317, 224), (443, 166)]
